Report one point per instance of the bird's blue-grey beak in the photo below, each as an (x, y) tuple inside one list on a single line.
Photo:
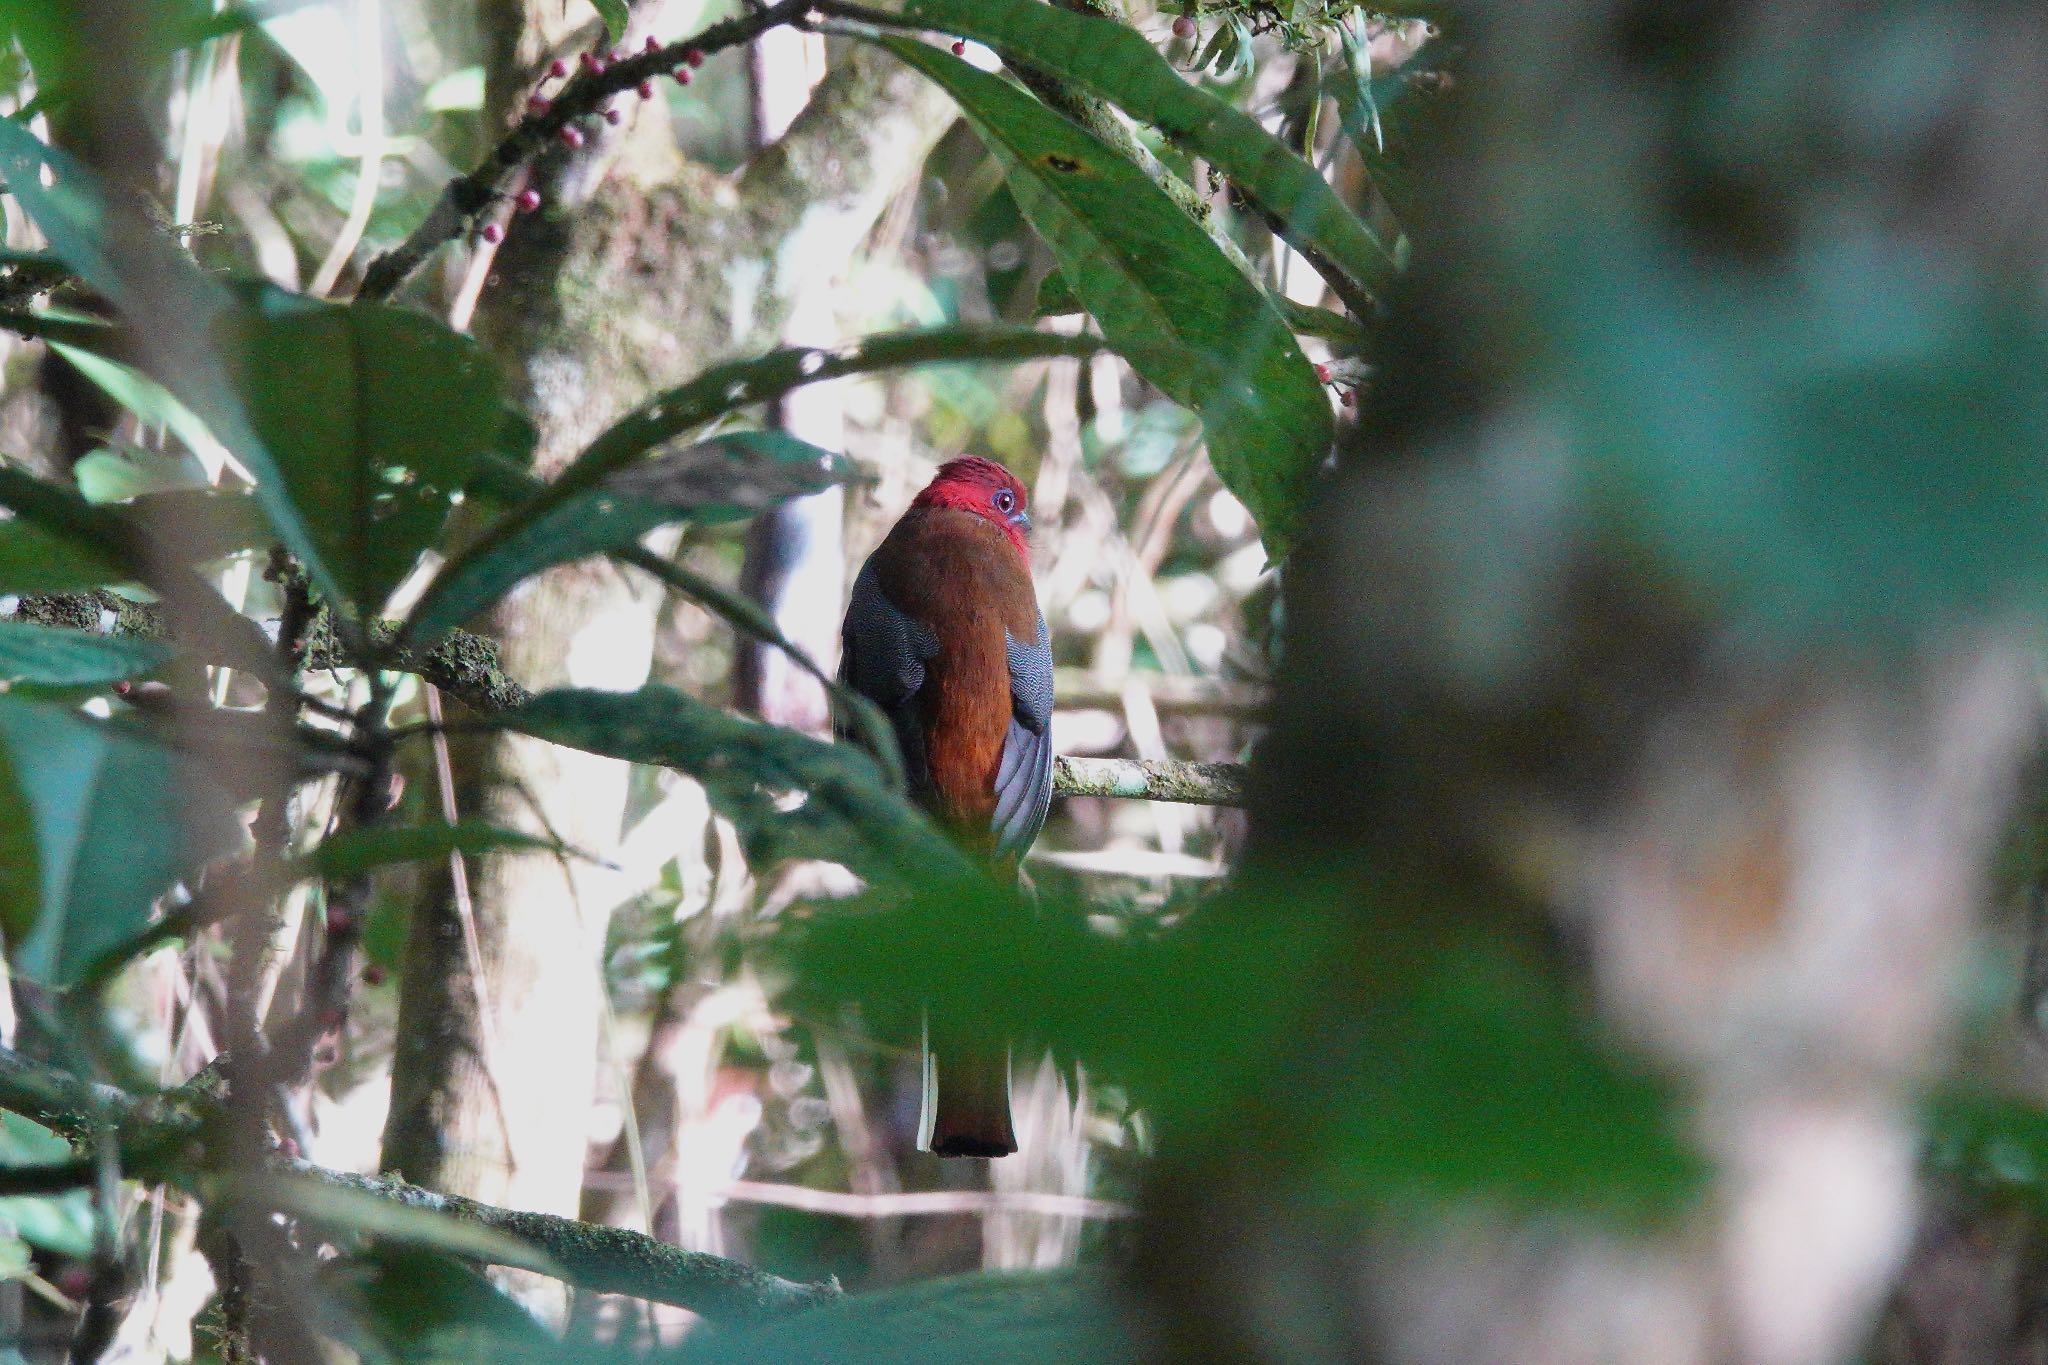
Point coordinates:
[(1021, 519)]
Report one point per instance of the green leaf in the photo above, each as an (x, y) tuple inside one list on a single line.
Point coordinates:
[(724, 478), (96, 822), (614, 15), (58, 541), (49, 654), (846, 813), (861, 716), (358, 851), (32, 561), (725, 389), (1108, 59), (1167, 299), (396, 1304), (166, 298), (1994, 1145), (990, 1319), (55, 1223), (375, 416)]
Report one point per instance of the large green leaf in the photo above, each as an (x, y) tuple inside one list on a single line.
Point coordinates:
[(724, 389), (1108, 59), (396, 1304), (1003, 1319), (33, 560), (92, 545), (168, 302), (96, 822), (726, 477), (1167, 298), (375, 415), (49, 654), (846, 813), (58, 1223)]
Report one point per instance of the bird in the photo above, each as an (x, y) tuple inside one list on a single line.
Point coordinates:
[(943, 634)]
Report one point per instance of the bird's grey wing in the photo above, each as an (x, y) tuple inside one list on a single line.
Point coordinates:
[(883, 653), (1024, 774)]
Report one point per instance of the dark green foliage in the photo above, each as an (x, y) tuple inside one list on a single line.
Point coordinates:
[(1018, 1319), (1168, 299), (847, 812), (96, 821), (1109, 60), (375, 416), (46, 654)]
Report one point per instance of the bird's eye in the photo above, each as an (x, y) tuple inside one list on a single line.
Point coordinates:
[(1005, 500)]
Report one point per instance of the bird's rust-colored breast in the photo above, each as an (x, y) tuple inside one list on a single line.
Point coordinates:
[(959, 576)]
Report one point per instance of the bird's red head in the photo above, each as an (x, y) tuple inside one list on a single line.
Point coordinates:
[(985, 488)]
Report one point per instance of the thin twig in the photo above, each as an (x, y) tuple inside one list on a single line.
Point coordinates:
[(585, 95)]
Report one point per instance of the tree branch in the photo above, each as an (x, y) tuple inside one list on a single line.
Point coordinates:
[(608, 1260), (583, 97), (1151, 779), (466, 666), (155, 1136)]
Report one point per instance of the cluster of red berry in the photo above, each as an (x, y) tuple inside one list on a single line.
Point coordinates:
[(1346, 394), (595, 63)]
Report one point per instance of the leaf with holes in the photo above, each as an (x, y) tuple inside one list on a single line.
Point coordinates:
[(1106, 58), (1167, 298)]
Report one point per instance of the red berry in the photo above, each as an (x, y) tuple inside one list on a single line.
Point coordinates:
[(653, 44), (492, 233), (597, 65), (959, 47), (588, 61), (536, 104), (288, 1146), (694, 56), (612, 116), (1350, 398), (647, 90), (558, 68), (528, 200), (1184, 27), (1323, 373), (572, 136), (682, 75), (375, 975)]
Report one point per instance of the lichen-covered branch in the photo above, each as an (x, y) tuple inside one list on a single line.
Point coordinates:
[(157, 1139), (1150, 779), (608, 1260), (463, 665)]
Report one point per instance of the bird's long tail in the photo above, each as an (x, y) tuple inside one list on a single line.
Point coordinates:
[(966, 1101)]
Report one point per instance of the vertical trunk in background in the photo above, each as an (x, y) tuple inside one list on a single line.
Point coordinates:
[(796, 554)]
